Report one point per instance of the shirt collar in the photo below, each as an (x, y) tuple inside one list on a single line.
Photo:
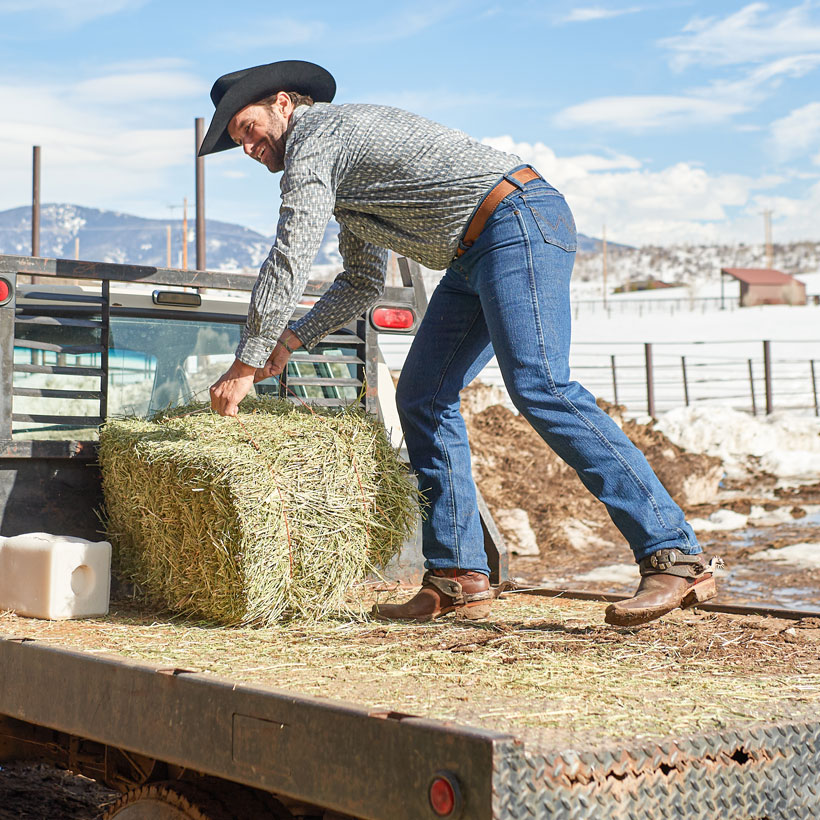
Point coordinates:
[(297, 112)]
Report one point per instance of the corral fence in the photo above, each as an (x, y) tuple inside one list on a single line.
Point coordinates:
[(651, 305), (756, 376)]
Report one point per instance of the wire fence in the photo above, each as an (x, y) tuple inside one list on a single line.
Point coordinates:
[(755, 376), (671, 306)]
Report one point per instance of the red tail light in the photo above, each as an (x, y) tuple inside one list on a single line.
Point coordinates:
[(445, 797), (5, 291), (385, 318)]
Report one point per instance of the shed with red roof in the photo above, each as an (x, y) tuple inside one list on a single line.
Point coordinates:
[(764, 286)]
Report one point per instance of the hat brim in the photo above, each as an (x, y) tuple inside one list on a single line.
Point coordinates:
[(260, 82)]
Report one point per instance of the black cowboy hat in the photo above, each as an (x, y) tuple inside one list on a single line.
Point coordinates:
[(232, 92)]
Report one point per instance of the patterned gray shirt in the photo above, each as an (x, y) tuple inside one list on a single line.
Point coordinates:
[(392, 180)]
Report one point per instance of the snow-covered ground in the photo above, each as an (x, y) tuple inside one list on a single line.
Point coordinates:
[(714, 346)]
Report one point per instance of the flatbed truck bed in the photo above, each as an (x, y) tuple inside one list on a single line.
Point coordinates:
[(542, 711)]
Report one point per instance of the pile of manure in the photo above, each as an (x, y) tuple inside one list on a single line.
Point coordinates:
[(273, 514)]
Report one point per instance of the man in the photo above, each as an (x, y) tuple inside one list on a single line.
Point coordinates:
[(507, 239)]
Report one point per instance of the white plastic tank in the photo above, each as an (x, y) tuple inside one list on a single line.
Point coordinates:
[(54, 576)]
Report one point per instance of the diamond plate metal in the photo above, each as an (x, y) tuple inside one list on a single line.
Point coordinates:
[(764, 773)]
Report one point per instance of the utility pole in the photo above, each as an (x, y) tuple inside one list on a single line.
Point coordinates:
[(35, 202), (603, 248), (767, 227), (168, 246), (185, 233), (199, 135)]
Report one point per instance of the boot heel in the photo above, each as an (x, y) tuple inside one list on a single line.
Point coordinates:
[(700, 592), (473, 612)]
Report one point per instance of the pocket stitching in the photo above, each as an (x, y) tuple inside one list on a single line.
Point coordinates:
[(542, 222)]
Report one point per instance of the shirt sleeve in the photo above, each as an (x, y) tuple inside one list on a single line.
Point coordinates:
[(353, 291), (308, 197)]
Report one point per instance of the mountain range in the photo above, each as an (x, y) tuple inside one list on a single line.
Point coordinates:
[(110, 236)]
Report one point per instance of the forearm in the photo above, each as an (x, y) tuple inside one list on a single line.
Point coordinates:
[(352, 292), (274, 298)]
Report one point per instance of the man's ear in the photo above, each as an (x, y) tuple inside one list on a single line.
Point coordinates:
[(283, 102)]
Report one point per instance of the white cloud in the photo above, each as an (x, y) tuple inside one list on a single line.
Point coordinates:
[(761, 81), (591, 13), (404, 23), (794, 218), (752, 34), (638, 113), (89, 153), (717, 102), (138, 87), (680, 203), (70, 12), (797, 133)]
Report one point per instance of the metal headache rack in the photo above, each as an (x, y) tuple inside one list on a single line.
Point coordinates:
[(85, 313), (341, 370)]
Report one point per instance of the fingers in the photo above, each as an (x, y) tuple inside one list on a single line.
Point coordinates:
[(274, 366), (221, 403), (229, 390)]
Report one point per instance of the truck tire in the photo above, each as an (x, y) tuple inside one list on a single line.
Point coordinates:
[(180, 800)]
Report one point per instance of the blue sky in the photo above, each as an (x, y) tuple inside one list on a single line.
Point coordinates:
[(668, 122)]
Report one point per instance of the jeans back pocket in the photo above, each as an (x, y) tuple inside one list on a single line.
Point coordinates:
[(554, 219)]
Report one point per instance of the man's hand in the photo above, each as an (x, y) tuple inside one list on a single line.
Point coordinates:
[(232, 387), (278, 359)]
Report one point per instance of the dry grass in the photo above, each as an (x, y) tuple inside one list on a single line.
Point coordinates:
[(271, 514), (548, 671)]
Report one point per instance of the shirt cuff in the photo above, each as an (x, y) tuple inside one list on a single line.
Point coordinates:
[(310, 332), (253, 351)]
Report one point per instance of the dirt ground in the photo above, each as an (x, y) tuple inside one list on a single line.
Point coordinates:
[(539, 649), (514, 469), (39, 792)]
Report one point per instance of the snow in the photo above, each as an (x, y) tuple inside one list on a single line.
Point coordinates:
[(612, 573), (805, 555), (784, 445), (515, 525), (719, 520)]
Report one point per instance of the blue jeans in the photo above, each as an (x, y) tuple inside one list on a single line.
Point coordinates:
[(509, 295)]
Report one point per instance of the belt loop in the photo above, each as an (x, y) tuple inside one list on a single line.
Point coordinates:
[(510, 178)]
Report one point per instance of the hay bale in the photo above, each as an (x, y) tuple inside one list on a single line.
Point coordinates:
[(272, 514)]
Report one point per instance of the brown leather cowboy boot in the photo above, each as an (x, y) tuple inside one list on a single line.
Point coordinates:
[(443, 590), (669, 579)]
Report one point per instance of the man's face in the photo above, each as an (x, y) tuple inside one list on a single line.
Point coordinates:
[(260, 130)]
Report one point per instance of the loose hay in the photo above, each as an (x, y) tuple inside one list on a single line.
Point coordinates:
[(272, 514)]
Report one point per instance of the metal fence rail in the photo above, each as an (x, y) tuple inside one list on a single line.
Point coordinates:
[(653, 377), (672, 305)]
